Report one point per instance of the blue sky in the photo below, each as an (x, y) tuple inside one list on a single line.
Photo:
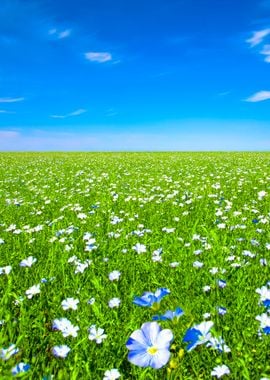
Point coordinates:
[(135, 75)]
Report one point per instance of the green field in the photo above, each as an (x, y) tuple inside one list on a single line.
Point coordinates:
[(202, 222)]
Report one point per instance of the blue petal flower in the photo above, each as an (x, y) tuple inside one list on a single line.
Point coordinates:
[(169, 315), (198, 334), (149, 346), (266, 303), (20, 368), (148, 299)]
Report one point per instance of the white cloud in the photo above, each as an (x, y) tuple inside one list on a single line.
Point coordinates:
[(77, 113), (66, 33), (98, 56), (74, 113), (59, 34), (258, 37), (258, 97), (11, 100), (266, 51)]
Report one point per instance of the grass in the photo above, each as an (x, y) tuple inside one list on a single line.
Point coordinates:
[(123, 199)]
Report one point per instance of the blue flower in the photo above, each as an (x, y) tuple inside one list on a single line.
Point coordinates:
[(150, 346), (199, 334), (169, 315), (149, 299), (20, 368)]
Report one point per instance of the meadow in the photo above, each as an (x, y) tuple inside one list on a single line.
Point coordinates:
[(135, 266)]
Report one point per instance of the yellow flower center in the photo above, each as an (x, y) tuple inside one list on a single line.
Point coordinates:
[(152, 350)]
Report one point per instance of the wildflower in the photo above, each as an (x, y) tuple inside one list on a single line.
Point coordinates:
[(199, 334), (206, 288), (35, 289), (60, 351), (220, 371), (70, 303), (198, 264), (150, 346), (264, 319), (264, 292), (221, 310), (111, 374), (263, 262), (114, 302), (174, 264), (28, 262), (5, 270), (149, 299), (206, 315), (66, 327), (170, 315), (114, 275), (218, 344), (96, 334), (139, 248), (91, 301), (261, 194), (221, 284), (6, 353), (20, 368)]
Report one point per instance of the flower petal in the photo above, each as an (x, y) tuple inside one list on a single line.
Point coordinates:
[(151, 331), (160, 359), (164, 339)]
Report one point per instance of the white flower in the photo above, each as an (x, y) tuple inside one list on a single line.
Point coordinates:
[(114, 302), (6, 353), (197, 264), (35, 289), (206, 288), (261, 194), (70, 303), (28, 262), (60, 351), (81, 215), (114, 275), (221, 226), (139, 248), (111, 374), (264, 319), (5, 270), (174, 264), (66, 327), (220, 370), (96, 334)]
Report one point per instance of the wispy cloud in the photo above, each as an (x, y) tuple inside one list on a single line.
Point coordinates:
[(6, 112), (66, 33), (59, 34), (258, 97), (78, 112), (266, 52), (98, 56), (258, 37), (11, 100)]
